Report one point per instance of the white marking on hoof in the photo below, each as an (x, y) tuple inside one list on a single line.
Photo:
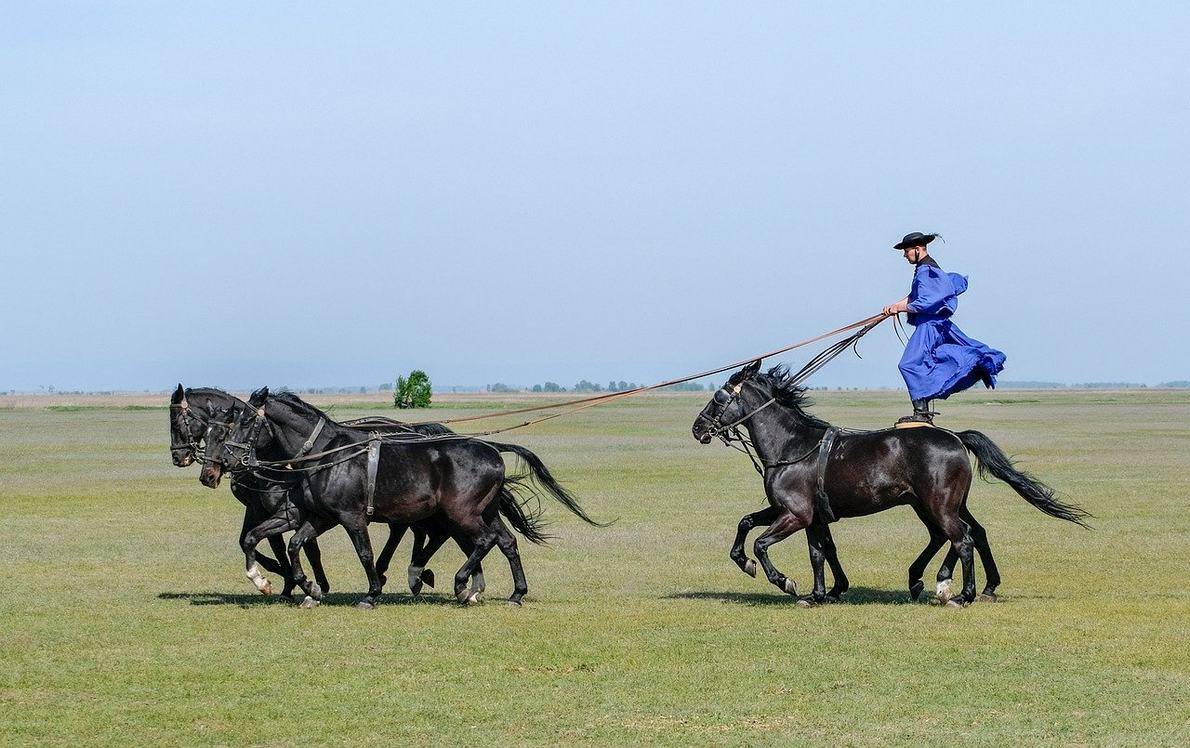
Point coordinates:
[(943, 591), (953, 604), (415, 576), (260, 580), (790, 586), (309, 602), (473, 598), (750, 568), (804, 603)]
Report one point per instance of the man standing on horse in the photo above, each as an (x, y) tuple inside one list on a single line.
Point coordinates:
[(939, 359)]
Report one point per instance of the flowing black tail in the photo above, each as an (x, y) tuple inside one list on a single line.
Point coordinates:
[(524, 519), (991, 459), (541, 476)]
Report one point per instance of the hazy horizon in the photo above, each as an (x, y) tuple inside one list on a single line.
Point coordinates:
[(235, 195)]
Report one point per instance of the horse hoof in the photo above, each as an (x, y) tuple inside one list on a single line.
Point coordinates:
[(308, 603), (789, 586), (473, 598), (750, 568), (943, 591), (266, 589), (316, 591), (916, 589), (515, 602), (365, 605), (427, 576), (988, 597), (415, 590), (953, 603), (805, 602)]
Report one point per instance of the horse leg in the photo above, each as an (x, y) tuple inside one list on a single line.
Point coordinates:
[(277, 544), (817, 562), (309, 530), (956, 530), (252, 519), (763, 518), (918, 567), (832, 557), (396, 531), (314, 556), (272, 529), (483, 538), (423, 551), (508, 546), (980, 537), (785, 525), (363, 548)]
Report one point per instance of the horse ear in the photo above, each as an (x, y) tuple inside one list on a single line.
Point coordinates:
[(178, 395), (257, 398), (752, 368)]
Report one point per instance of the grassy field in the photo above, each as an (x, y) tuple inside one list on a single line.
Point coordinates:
[(125, 616)]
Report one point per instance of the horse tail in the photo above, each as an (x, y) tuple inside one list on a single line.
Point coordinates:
[(524, 519), (989, 458), (543, 478)]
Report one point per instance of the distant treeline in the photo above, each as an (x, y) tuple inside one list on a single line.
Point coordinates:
[(1031, 385)]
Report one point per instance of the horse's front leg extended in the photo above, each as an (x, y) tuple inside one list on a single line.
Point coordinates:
[(271, 528), (785, 525), (763, 518)]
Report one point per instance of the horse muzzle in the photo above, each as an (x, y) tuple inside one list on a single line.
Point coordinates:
[(211, 475)]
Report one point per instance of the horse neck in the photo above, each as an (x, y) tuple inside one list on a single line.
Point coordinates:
[(291, 427), (199, 397), (779, 432)]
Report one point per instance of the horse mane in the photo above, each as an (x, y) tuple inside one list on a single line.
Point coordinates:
[(789, 394), (299, 404)]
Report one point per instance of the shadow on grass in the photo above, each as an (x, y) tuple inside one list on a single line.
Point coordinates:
[(854, 596), (342, 599)]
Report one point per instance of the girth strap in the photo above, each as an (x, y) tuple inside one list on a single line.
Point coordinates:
[(824, 454), (373, 466)]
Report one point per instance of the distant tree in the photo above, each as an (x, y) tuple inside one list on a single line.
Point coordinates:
[(611, 386), (385, 387), (538, 388), (585, 386), (501, 387), (553, 387), (412, 391)]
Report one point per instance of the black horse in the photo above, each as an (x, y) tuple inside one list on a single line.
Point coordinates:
[(195, 412), (191, 413), (927, 469), (460, 479)]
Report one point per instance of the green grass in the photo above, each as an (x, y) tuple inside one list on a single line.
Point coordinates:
[(125, 616)]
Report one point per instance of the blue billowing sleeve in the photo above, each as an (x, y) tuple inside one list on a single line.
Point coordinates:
[(933, 290)]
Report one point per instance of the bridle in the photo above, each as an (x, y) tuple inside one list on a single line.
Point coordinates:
[(185, 421), (244, 453)]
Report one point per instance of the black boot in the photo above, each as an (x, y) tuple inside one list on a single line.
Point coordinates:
[(921, 413)]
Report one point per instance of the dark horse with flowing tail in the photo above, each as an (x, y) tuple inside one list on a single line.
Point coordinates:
[(353, 477), (814, 474)]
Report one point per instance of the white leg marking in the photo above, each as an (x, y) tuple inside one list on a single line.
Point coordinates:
[(943, 591), (260, 580)]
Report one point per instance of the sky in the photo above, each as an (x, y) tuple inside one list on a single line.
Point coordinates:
[(331, 194)]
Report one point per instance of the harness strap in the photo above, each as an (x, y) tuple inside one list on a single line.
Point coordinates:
[(309, 444), (373, 466), (824, 453)]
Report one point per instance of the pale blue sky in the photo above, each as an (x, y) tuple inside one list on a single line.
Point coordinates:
[(243, 194)]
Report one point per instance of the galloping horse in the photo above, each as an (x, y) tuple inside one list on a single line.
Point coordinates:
[(197, 414), (862, 473), (460, 478)]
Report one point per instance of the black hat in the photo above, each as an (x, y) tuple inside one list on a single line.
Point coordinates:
[(915, 239)]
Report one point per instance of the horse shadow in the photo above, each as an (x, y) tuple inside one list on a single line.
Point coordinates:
[(853, 596), (341, 599)]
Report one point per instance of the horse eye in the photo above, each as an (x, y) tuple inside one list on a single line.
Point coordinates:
[(721, 397)]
